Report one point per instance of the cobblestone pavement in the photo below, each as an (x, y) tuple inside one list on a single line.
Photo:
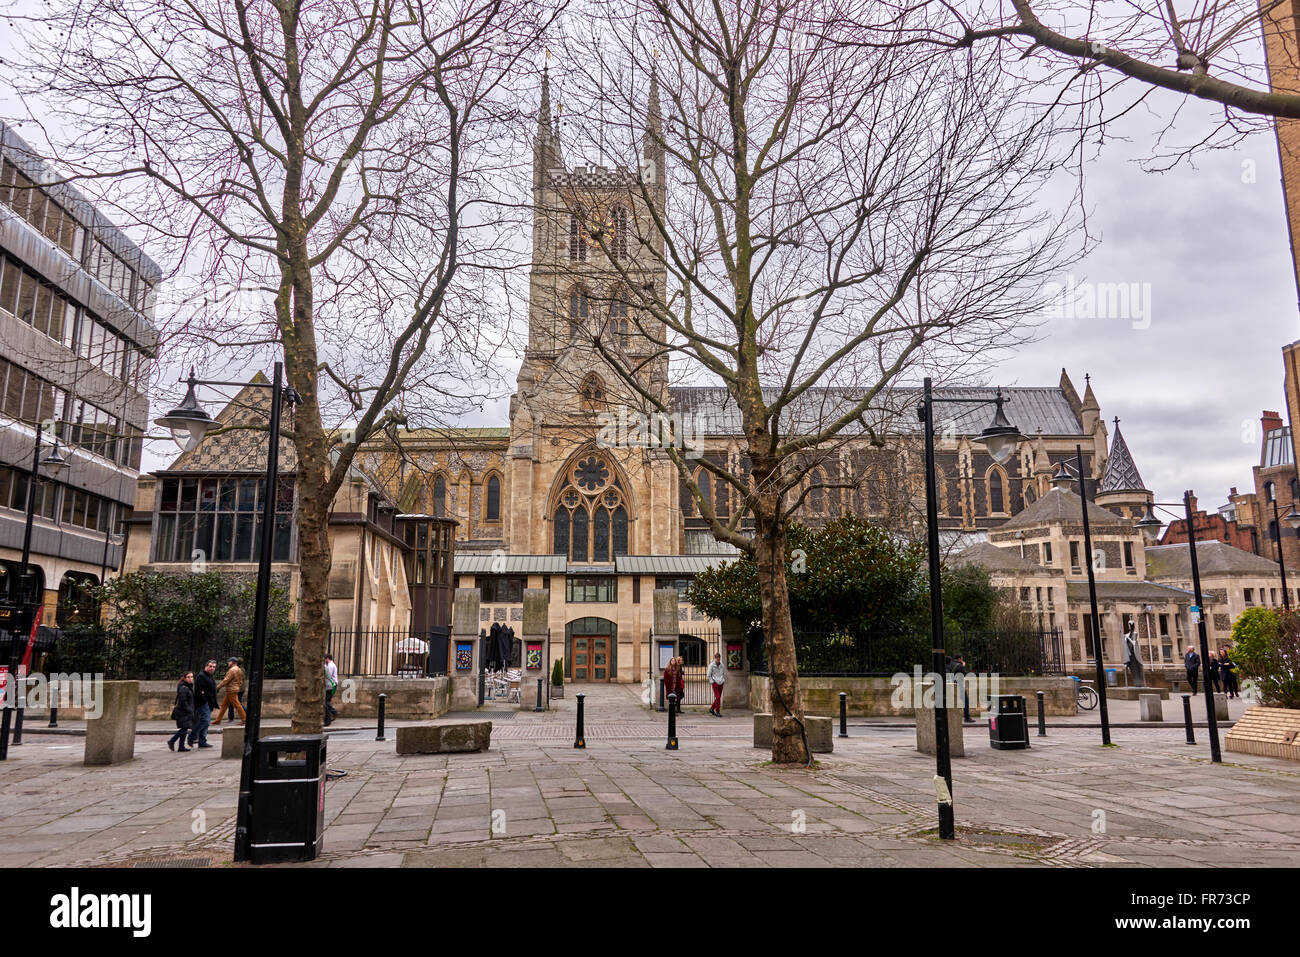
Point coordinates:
[(626, 801)]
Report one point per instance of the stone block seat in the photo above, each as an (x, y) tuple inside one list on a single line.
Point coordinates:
[(457, 738), (818, 729)]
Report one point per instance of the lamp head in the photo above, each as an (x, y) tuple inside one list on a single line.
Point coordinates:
[(1292, 518), (54, 463), (1001, 436), (1150, 526), (188, 422)]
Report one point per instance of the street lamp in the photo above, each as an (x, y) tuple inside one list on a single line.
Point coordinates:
[(1000, 439), (189, 423), (1098, 647), (1150, 527), (53, 463)]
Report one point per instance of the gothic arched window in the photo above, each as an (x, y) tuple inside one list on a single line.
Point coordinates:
[(619, 328), (816, 498), (997, 503), (592, 393), (492, 500), (440, 497), (577, 237), (618, 221), (579, 310), (591, 517)]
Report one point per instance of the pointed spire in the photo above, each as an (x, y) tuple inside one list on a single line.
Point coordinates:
[(652, 151), (1121, 472), (1042, 464), (544, 114), (1090, 400)]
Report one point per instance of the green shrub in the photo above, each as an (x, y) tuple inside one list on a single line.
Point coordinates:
[(1266, 648), (557, 673)]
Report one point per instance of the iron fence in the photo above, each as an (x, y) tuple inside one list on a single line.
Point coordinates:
[(394, 652), (993, 652)]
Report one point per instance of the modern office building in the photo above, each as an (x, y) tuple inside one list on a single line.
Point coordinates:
[(76, 339)]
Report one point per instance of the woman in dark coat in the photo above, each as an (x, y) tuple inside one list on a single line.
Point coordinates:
[(1228, 672), (1212, 672), (183, 713)]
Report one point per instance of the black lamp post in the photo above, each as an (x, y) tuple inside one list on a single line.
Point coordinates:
[(1150, 526), (27, 601), (1098, 648), (1292, 519), (1000, 438), (189, 424)]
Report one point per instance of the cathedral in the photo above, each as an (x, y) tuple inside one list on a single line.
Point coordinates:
[(578, 495)]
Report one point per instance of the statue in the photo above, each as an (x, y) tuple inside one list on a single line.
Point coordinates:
[(1133, 657)]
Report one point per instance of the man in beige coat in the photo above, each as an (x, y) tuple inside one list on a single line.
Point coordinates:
[(228, 689)]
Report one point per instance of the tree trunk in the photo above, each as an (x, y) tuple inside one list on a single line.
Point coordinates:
[(784, 697), (313, 603)]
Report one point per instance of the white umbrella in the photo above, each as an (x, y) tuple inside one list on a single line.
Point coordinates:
[(412, 646)]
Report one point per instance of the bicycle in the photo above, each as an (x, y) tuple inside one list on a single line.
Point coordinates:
[(1086, 696)]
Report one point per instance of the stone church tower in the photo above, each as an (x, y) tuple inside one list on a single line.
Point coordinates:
[(575, 484)]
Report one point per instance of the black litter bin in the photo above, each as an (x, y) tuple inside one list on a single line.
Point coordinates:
[(1008, 723), (288, 798)]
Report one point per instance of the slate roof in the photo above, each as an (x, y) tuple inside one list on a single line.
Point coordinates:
[(1059, 505), (668, 564), (1121, 473), (998, 559), (1212, 558), (1030, 409), (1129, 591), (463, 564)]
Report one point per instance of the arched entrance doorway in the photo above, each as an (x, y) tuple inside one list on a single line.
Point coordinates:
[(591, 650)]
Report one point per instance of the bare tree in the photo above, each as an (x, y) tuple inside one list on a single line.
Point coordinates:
[(1209, 49), (334, 176), (829, 208)]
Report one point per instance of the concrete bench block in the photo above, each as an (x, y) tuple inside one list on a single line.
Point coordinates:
[(1220, 706), (456, 738), (110, 738), (1149, 707), (925, 732), (232, 737), (821, 740)]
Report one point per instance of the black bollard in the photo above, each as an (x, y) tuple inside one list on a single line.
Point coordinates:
[(482, 688), (844, 715), (539, 696), (1042, 717), (21, 688), (580, 740), (1187, 718), (379, 735), (661, 694), (672, 723), (54, 704)]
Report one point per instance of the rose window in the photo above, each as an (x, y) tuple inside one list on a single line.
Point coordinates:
[(591, 474)]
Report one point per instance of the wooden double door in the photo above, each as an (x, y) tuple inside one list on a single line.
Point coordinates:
[(591, 657)]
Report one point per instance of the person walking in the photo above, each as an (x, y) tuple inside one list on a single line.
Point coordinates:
[(205, 702), (331, 682), (675, 683), (183, 713), (1192, 661), (1228, 672), (717, 678), (230, 687), (960, 670)]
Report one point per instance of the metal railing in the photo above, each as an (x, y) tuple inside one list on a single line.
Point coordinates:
[(392, 652)]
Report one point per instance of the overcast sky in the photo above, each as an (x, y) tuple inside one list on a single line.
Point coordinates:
[(1188, 380)]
